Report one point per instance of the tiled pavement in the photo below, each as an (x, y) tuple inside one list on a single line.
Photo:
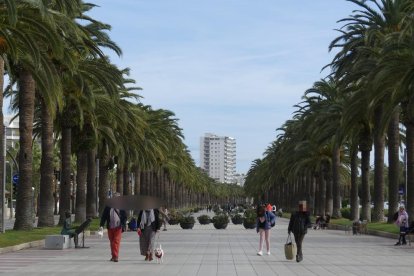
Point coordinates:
[(207, 251)]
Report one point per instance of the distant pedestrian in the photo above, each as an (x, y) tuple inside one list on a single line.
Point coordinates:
[(149, 225), (165, 217), (402, 222), (264, 222), (298, 224), (115, 220)]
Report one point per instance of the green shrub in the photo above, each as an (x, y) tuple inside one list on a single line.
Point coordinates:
[(346, 213), (204, 219), (250, 216)]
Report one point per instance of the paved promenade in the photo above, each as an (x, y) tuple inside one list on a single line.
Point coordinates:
[(207, 251)]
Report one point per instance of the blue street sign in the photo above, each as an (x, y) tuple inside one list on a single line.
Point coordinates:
[(16, 178)]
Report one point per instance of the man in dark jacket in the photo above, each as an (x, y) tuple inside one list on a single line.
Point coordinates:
[(298, 224), (115, 221)]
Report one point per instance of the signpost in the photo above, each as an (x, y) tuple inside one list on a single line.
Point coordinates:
[(16, 179)]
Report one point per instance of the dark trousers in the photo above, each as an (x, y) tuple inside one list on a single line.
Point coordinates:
[(299, 240)]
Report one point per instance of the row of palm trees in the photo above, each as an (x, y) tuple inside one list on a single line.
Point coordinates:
[(366, 102), (66, 91)]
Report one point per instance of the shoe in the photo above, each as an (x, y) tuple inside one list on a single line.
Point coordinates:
[(268, 252), (164, 230), (398, 243), (150, 257), (299, 258), (115, 260), (260, 253), (404, 243), (146, 257), (111, 260)]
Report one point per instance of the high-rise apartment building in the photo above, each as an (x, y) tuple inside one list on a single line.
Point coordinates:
[(218, 157)]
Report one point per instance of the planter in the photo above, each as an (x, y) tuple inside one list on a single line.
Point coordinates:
[(186, 225), (249, 225), (173, 221), (237, 220), (220, 225), (204, 219)]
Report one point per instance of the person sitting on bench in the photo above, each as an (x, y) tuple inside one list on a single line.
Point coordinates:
[(68, 229)]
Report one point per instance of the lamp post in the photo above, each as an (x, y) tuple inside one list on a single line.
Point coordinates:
[(405, 176), (11, 189), (3, 190), (97, 187)]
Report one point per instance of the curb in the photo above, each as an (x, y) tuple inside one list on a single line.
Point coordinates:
[(32, 244), (22, 246)]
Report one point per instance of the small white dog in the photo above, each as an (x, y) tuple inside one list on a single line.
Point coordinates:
[(159, 254), (100, 232)]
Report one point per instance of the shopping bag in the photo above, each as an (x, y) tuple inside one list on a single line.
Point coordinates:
[(290, 249)]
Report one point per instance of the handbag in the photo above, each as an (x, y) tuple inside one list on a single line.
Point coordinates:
[(290, 248)]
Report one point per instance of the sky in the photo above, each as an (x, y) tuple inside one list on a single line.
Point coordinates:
[(229, 67)]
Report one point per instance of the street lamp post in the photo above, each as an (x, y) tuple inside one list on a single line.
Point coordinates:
[(3, 192), (405, 176), (11, 190)]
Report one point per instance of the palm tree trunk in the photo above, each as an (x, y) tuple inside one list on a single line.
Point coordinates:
[(410, 168), (46, 201), (137, 173), (336, 163), (64, 201), (81, 175), (394, 164), (379, 148), (103, 183), (322, 192), (127, 186), (91, 185), (329, 195), (119, 180), (354, 183), (365, 192), (24, 201)]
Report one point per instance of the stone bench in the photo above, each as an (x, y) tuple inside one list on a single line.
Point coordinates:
[(57, 242)]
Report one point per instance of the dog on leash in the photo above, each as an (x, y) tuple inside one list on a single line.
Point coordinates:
[(159, 254), (100, 233)]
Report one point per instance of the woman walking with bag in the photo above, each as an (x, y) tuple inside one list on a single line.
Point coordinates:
[(264, 222), (298, 224)]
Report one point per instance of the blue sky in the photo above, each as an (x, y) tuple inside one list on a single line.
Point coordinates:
[(230, 67)]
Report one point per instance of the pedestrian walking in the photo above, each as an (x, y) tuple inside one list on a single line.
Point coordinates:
[(115, 220), (264, 222), (298, 224), (402, 222), (149, 225), (165, 217)]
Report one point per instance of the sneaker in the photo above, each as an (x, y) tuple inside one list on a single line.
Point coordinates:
[(268, 252), (260, 253)]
